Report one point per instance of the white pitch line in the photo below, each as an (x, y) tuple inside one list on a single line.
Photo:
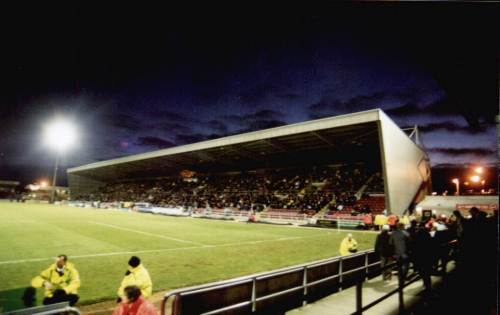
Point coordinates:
[(149, 234), (6, 262)]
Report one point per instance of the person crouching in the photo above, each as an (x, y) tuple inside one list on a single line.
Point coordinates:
[(60, 280)]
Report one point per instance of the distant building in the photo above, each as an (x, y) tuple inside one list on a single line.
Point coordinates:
[(37, 192), (8, 188)]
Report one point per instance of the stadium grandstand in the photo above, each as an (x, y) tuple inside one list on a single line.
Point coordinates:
[(327, 168)]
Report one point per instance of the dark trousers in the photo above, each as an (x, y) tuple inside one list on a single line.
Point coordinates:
[(403, 266), (61, 296), (386, 273)]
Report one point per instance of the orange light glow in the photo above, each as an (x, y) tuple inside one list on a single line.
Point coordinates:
[(475, 179)]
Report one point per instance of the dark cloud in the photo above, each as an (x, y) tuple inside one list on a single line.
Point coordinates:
[(262, 124), (248, 119), (289, 96), (217, 125), (405, 110), (124, 121), (170, 116), (330, 105), (452, 127), (189, 138), (154, 142), (479, 152), (172, 127), (258, 93), (443, 107)]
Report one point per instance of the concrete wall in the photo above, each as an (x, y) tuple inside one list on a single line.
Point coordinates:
[(405, 165)]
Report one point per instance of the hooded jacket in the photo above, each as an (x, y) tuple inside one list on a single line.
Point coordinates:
[(138, 276), (348, 247), (69, 280)]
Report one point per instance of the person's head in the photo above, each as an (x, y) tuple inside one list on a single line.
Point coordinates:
[(474, 211), (413, 223), (349, 236), (61, 261), (131, 293), (134, 261), (401, 226), (386, 228)]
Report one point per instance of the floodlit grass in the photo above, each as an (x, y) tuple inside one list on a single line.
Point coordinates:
[(177, 252)]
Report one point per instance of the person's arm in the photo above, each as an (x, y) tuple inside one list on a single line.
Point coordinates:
[(144, 283), (74, 283), (354, 244), (39, 281), (377, 244), (127, 280)]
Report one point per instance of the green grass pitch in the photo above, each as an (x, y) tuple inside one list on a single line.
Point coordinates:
[(177, 251)]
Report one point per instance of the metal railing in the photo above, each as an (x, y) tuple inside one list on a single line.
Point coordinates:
[(254, 296), (349, 271), (56, 308)]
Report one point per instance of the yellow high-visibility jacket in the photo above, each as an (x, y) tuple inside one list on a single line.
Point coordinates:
[(138, 276), (69, 281), (380, 219), (404, 219), (346, 246)]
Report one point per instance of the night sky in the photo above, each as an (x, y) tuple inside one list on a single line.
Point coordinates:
[(141, 79)]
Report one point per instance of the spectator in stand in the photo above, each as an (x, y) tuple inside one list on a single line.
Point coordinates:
[(348, 245), (392, 220), (380, 220), (134, 303), (136, 275), (384, 248), (368, 221), (61, 282), (399, 239)]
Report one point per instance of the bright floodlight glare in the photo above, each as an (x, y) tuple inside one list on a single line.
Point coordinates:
[(43, 184), (475, 178), (479, 170), (455, 180), (60, 135)]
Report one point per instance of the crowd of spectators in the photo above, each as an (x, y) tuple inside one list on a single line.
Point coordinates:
[(306, 189), (425, 244)]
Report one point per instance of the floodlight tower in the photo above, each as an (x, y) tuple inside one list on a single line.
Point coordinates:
[(60, 135)]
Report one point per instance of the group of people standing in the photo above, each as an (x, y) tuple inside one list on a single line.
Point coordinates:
[(426, 245), (61, 282)]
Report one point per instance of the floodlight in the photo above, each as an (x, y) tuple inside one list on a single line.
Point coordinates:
[(475, 178), (479, 170), (60, 135)]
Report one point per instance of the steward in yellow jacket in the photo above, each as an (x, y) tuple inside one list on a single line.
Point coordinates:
[(61, 282), (348, 245), (136, 275)]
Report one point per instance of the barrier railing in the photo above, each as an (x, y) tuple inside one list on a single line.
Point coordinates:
[(58, 308), (274, 291), (277, 291)]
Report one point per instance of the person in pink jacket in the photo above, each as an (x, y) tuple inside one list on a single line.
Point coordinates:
[(134, 303)]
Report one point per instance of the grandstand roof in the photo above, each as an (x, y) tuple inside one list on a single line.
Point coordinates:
[(8, 183), (328, 140)]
